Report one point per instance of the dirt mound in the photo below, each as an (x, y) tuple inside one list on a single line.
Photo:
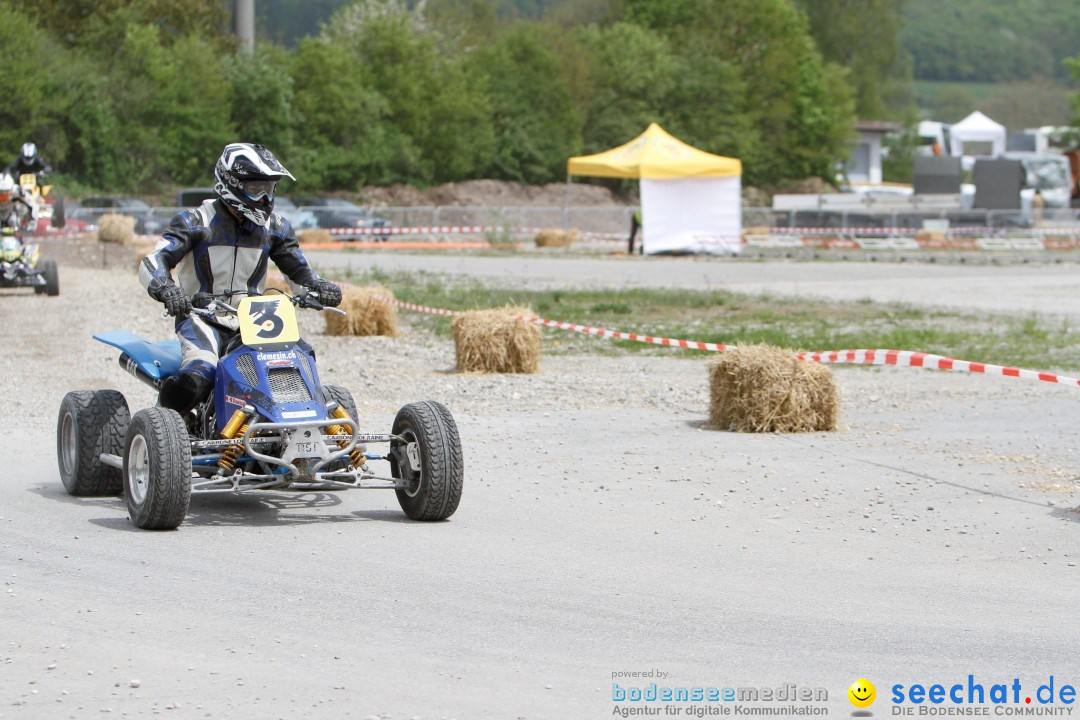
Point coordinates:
[(494, 192)]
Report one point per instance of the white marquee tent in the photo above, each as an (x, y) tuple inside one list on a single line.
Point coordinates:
[(977, 127), (691, 200)]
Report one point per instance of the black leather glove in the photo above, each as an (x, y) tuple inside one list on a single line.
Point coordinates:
[(176, 301), (329, 293), (202, 300)]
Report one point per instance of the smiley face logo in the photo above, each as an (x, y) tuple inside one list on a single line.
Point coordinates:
[(862, 693)]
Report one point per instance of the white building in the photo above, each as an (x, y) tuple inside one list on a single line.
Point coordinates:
[(864, 165)]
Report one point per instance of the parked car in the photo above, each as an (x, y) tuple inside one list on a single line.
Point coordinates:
[(335, 213), (146, 223), (194, 197), (300, 219)]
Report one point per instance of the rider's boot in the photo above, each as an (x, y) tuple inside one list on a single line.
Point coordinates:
[(183, 392)]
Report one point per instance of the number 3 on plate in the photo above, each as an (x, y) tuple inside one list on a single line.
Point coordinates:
[(267, 321)]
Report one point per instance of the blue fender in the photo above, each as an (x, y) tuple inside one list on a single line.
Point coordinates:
[(159, 360)]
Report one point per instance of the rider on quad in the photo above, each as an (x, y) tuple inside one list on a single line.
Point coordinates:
[(223, 246), (28, 162), (11, 198)]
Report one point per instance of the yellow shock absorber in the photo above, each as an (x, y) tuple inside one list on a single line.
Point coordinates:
[(234, 427), (356, 457)]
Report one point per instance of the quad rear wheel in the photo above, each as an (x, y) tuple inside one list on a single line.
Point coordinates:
[(91, 422), (157, 469), (427, 455), (52, 277)]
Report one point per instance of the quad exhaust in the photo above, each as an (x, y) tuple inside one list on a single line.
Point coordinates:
[(132, 367)]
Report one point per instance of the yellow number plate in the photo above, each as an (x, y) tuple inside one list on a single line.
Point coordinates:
[(267, 320)]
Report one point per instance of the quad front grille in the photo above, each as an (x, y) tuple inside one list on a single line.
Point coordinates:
[(246, 366), (287, 385)]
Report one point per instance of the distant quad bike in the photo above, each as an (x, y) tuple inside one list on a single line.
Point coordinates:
[(20, 267), (45, 206), (270, 424)]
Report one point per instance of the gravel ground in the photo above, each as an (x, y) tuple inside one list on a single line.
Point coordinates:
[(601, 528)]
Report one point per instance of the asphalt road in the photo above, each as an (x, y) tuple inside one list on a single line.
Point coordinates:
[(1017, 287), (932, 537)]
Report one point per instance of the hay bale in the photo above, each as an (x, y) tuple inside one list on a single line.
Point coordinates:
[(367, 314), (761, 388), (275, 280), (308, 237), (116, 229), (755, 231), (554, 237), (496, 341), (140, 247)]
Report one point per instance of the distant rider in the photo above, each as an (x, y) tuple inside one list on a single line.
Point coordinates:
[(10, 200), (223, 245), (28, 162)]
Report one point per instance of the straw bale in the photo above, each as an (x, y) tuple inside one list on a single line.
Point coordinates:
[(306, 237), (367, 314), (141, 247), (761, 388), (275, 280), (556, 237), (496, 341), (114, 228), (755, 231)]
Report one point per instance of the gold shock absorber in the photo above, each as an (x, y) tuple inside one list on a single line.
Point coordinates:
[(234, 427), (356, 457)]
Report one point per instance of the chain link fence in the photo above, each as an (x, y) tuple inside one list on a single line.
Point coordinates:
[(615, 219)]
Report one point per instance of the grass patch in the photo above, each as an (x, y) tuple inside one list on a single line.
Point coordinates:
[(736, 319)]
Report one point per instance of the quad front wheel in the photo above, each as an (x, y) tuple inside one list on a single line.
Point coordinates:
[(427, 455), (91, 422), (157, 469)]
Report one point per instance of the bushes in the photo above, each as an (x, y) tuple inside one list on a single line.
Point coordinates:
[(132, 100)]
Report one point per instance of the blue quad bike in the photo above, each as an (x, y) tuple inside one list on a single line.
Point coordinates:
[(270, 424)]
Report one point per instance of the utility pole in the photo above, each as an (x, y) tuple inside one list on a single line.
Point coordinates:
[(245, 23)]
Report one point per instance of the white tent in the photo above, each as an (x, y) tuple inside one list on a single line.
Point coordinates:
[(977, 127), (690, 199)]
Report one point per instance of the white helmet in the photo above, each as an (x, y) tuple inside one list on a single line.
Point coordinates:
[(29, 152), (247, 176), (7, 187)]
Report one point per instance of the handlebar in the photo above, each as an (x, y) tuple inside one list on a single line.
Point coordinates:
[(208, 305)]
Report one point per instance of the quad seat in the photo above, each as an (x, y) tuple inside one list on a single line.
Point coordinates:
[(159, 360)]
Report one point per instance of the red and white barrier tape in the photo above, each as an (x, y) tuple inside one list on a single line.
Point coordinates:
[(851, 238), (899, 358), (912, 358), (462, 230)]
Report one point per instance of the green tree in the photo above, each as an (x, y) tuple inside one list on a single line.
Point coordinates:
[(424, 81), (536, 128), (1028, 104), (990, 40), (1073, 66), (799, 107), (864, 37), (171, 104), (345, 137), (261, 90), (632, 73), (68, 19), (953, 103), (34, 82)]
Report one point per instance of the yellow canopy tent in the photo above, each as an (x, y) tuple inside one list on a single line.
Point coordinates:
[(654, 154), (690, 199)]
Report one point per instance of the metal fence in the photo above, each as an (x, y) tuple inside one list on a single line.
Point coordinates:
[(615, 219)]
